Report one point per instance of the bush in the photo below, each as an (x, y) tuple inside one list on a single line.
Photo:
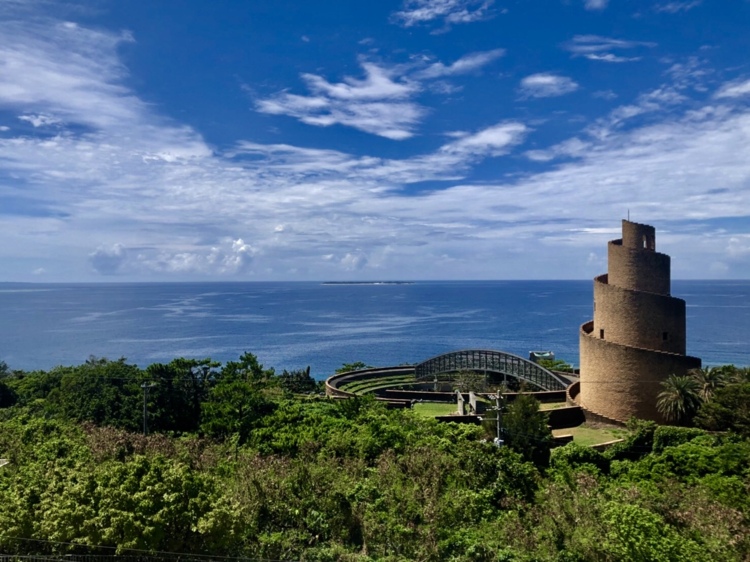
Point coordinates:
[(669, 436), (638, 444), (574, 456)]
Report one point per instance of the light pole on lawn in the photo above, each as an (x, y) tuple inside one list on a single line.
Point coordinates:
[(497, 397)]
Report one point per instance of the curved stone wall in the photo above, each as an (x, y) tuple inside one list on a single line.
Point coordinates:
[(638, 269), (639, 319), (620, 382), (334, 383), (638, 336)]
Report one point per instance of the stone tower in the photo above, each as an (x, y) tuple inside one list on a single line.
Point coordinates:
[(637, 337)]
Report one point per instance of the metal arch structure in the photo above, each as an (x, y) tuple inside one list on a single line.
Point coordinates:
[(492, 361)]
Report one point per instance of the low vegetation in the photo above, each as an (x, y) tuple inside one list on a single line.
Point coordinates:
[(243, 462)]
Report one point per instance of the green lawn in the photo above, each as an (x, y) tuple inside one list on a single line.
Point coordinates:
[(588, 436), (432, 409), (552, 406)]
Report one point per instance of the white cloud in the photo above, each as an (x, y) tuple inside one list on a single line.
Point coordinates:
[(595, 4), (598, 48), (545, 85), (226, 258), (381, 103), (585, 44), (736, 89), (354, 261), (609, 57), (492, 141), (739, 247), (573, 148), (690, 73), (144, 198), (675, 7), (415, 12), (40, 120), (661, 99), (108, 260), (605, 94), (378, 104), (467, 63)]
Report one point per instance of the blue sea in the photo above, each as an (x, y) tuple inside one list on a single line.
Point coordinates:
[(292, 325)]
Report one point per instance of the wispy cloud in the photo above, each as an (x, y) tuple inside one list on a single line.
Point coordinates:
[(598, 48), (381, 103), (609, 57), (595, 4), (675, 7), (735, 89), (377, 104), (415, 12), (141, 196), (40, 120), (467, 63), (546, 85)]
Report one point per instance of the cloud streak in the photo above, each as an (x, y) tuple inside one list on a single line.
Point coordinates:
[(381, 103), (546, 85), (417, 12), (598, 48)]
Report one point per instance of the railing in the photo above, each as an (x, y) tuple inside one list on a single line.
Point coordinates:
[(492, 361)]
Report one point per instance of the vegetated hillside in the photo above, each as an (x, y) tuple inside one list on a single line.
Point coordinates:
[(241, 464)]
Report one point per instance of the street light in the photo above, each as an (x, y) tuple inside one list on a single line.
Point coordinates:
[(145, 386), (497, 397)]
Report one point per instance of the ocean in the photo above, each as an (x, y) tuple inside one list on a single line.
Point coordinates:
[(293, 325)]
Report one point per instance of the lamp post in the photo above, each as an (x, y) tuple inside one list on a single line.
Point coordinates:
[(145, 386), (497, 398)]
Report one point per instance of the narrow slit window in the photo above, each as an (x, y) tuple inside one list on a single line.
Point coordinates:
[(601, 334)]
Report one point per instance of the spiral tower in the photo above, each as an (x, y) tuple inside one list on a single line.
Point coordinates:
[(638, 336)]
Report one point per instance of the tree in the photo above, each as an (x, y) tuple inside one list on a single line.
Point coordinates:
[(298, 381), (467, 380), (357, 366), (679, 399), (248, 369), (232, 408), (180, 388), (525, 430), (8, 396), (556, 365), (728, 411), (709, 380), (101, 391)]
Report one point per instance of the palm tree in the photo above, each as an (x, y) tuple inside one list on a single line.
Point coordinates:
[(709, 380), (679, 399)]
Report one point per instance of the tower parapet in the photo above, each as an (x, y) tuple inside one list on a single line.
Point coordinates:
[(638, 336)]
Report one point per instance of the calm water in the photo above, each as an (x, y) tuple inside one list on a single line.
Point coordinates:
[(292, 325)]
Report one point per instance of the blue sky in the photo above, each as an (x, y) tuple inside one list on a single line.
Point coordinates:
[(336, 140)]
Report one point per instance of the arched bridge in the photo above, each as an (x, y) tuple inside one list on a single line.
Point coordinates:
[(491, 361)]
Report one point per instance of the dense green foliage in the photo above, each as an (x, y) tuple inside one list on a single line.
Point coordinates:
[(239, 465), (525, 429), (712, 397), (556, 365)]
